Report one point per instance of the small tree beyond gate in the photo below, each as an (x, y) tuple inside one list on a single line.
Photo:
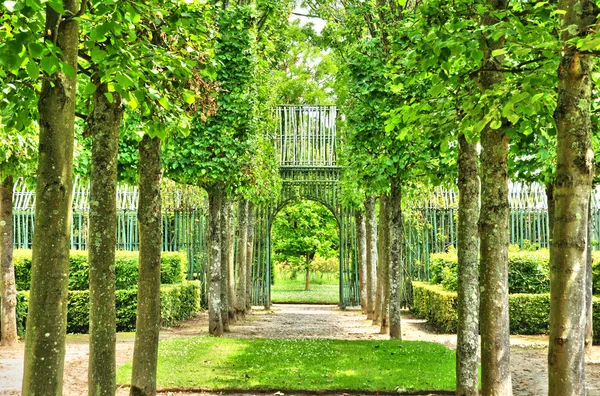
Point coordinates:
[(307, 143)]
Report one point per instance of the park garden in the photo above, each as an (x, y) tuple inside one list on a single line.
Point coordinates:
[(173, 174)]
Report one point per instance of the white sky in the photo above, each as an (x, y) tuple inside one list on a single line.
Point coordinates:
[(318, 23)]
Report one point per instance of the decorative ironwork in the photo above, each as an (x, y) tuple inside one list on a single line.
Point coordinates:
[(306, 141)]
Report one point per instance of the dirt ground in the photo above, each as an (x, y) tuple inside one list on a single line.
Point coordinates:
[(528, 353)]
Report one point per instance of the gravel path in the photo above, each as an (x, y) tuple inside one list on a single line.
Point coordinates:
[(528, 353)]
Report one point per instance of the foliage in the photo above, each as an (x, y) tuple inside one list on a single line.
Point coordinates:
[(528, 313), (528, 271), (311, 364), (173, 267), (178, 302), (303, 230)]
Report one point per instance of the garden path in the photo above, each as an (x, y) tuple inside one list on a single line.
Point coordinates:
[(302, 321)]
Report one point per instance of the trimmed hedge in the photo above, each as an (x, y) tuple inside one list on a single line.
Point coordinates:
[(528, 313), (528, 271), (178, 302), (173, 267)]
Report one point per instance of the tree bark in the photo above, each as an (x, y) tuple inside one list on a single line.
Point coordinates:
[(104, 124), (589, 285), (467, 340), (361, 247), (240, 292), (250, 255), (395, 258), (47, 315), (8, 286), (145, 349), (493, 230), (550, 200), (572, 189), (215, 320), (371, 232), (384, 260), (224, 263), (380, 263), (230, 262)]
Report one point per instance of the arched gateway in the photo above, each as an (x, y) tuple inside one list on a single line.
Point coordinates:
[(307, 144)]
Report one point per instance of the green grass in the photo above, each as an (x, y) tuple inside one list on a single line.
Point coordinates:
[(292, 291), (229, 363)]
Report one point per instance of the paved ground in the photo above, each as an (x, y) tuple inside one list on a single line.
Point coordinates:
[(528, 354)]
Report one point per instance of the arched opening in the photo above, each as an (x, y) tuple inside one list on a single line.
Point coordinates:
[(305, 253)]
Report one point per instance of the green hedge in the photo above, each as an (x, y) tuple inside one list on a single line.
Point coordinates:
[(173, 267), (528, 271), (528, 313), (178, 302)]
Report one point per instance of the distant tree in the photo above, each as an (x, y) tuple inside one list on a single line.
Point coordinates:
[(303, 231)]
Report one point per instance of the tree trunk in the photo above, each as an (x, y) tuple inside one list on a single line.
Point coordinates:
[(8, 286), (467, 340), (395, 259), (384, 260), (493, 230), (240, 292), (215, 320), (250, 256), (47, 315), (550, 200), (307, 275), (230, 262), (371, 232), (224, 263), (145, 350), (104, 124), (572, 189), (589, 285), (361, 247), (380, 263)]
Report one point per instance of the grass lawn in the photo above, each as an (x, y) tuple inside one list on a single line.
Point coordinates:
[(292, 291), (230, 363)]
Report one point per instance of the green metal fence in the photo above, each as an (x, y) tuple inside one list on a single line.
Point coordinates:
[(430, 227), (183, 222)]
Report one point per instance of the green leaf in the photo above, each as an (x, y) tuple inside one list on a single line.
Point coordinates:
[(89, 89), (67, 69), (35, 50), (499, 52), (33, 71), (496, 124), (189, 96), (50, 64), (10, 5), (57, 5)]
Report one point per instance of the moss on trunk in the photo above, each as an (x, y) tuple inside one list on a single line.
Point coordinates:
[(395, 258), (384, 262), (47, 315), (250, 255), (145, 351), (104, 124), (8, 286), (572, 188), (240, 286), (371, 232), (215, 320), (467, 343)]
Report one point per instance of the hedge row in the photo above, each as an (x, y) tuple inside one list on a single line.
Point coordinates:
[(528, 271), (528, 313), (173, 267), (178, 302)]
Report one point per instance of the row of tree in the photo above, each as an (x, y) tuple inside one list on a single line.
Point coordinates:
[(131, 90), (467, 94)]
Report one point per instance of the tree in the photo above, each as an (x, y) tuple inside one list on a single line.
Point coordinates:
[(17, 158), (301, 232), (47, 315), (572, 187)]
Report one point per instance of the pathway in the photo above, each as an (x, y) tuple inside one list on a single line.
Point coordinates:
[(528, 353)]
